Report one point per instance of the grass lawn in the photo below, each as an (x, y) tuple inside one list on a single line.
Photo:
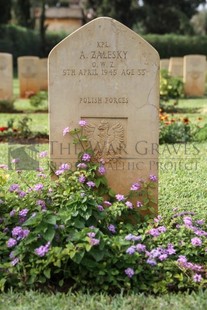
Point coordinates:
[(182, 185)]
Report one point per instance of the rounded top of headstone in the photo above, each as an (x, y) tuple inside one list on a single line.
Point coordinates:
[(102, 27)]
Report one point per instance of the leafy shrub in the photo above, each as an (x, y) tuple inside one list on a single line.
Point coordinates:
[(6, 106), (61, 234), (38, 99), (201, 134), (170, 88)]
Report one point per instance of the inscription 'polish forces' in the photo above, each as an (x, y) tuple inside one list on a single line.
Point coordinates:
[(108, 54)]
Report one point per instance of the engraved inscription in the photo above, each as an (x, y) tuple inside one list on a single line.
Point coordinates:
[(103, 60), (107, 138), (106, 100)]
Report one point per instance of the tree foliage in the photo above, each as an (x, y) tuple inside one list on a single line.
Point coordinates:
[(168, 16), (123, 11), (5, 11), (22, 9)]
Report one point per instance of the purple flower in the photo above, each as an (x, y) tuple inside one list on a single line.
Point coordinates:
[(154, 232), (14, 261), (112, 228), (163, 257), (133, 237), (94, 241), (129, 272), (43, 154), (82, 123), (107, 203), (15, 161), (196, 241), (120, 197), (91, 234), (170, 249), (81, 178), (82, 166), (200, 222), (11, 242), (187, 220), (135, 187), (41, 203), (59, 172), (12, 213), (16, 231), (86, 157), (182, 259), (102, 170), (162, 229), (64, 167), (100, 208), (22, 194), (140, 247), (151, 262), (38, 187), (139, 204), (20, 233), (157, 219), (153, 178), (42, 250), (23, 213), (14, 188), (129, 204), (66, 130), (197, 278), (131, 250), (91, 184)]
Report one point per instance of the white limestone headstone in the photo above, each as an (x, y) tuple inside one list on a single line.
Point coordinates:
[(6, 76), (107, 75)]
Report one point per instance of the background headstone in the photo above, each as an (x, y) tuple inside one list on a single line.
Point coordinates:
[(43, 74), (6, 76), (107, 75), (164, 64), (194, 75), (176, 67), (28, 73)]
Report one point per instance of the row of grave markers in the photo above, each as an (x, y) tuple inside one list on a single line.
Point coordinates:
[(32, 74), (191, 69)]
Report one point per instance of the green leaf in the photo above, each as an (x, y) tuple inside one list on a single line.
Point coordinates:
[(51, 219), (47, 273), (97, 254), (49, 234)]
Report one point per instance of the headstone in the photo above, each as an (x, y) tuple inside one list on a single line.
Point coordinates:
[(43, 76), (6, 76), (164, 64), (28, 73), (194, 75), (107, 75), (176, 66)]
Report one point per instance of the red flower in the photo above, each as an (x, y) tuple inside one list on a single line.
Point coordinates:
[(4, 128)]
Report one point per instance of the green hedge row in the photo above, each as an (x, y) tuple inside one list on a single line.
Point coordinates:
[(23, 42), (20, 41), (172, 45)]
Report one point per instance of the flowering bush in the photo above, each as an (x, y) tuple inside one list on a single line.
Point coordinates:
[(170, 88), (176, 130), (73, 232)]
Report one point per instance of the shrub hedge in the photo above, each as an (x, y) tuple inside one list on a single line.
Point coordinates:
[(20, 41)]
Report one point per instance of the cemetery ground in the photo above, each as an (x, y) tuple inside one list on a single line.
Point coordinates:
[(182, 188)]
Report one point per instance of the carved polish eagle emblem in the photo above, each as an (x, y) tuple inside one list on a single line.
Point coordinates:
[(105, 139)]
